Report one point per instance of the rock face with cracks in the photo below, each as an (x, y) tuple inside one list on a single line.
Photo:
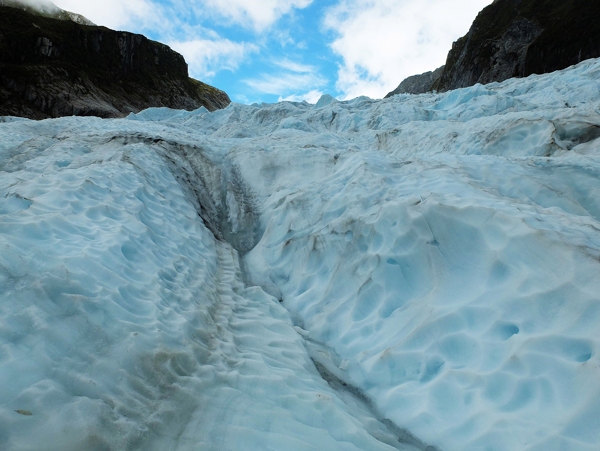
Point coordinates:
[(517, 38)]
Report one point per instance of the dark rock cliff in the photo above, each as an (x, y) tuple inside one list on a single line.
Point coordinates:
[(53, 68), (517, 38)]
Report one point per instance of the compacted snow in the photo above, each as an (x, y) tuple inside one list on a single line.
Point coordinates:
[(415, 273)]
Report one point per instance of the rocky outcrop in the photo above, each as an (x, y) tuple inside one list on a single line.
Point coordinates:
[(418, 84), (52, 68), (517, 38)]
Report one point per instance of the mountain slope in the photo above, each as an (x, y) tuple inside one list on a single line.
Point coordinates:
[(515, 38), (51, 68), (417, 84)]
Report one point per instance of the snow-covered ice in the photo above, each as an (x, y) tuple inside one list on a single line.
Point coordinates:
[(420, 272)]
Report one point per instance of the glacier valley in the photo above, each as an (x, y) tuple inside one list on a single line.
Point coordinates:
[(414, 273)]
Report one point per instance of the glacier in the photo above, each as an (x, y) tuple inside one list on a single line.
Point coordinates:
[(414, 273)]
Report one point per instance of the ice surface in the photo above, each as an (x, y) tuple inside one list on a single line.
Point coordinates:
[(419, 272), (125, 325)]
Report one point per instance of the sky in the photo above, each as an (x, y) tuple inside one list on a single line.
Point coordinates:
[(273, 50)]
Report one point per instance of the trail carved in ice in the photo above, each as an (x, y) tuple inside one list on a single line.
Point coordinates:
[(238, 226), (129, 325)]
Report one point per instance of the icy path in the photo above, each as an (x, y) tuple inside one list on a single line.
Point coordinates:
[(293, 276), (125, 325), (266, 393)]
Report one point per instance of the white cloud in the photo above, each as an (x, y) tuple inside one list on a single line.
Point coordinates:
[(207, 56), (293, 81), (293, 66), (256, 14), (381, 42), (121, 14), (117, 14), (311, 97), (40, 5), (283, 84)]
